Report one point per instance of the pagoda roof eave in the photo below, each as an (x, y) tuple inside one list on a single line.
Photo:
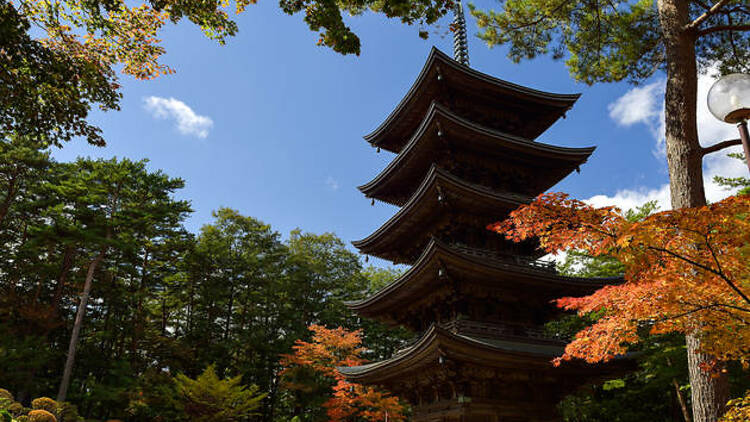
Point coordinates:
[(440, 342), (574, 157), (439, 254), (436, 178), (562, 102)]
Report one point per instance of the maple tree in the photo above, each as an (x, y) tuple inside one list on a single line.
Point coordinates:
[(329, 349), (685, 270)]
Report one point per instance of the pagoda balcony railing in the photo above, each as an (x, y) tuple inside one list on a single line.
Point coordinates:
[(518, 260), (507, 330)]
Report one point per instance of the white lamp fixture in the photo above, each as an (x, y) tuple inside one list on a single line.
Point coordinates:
[(729, 101)]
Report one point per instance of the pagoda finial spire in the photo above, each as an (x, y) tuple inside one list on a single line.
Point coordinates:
[(460, 43)]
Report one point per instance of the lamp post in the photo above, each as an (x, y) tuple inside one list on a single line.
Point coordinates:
[(729, 101)]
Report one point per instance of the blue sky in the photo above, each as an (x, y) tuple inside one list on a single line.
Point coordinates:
[(271, 124)]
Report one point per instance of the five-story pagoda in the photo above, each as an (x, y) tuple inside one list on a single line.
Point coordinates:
[(466, 157)]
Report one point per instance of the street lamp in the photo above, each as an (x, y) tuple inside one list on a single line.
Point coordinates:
[(729, 101)]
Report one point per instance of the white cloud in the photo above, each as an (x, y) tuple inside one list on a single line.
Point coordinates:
[(644, 105), (332, 183), (641, 104), (187, 121), (627, 199)]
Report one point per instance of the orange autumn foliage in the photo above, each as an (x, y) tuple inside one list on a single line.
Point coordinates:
[(687, 271), (119, 32), (332, 348)]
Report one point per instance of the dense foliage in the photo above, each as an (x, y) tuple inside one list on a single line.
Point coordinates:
[(42, 409), (657, 389), (208, 398), (162, 301), (312, 368), (615, 40), (683, 268)]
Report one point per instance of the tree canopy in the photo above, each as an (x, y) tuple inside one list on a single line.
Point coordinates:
[(606, 41), (685, 270)]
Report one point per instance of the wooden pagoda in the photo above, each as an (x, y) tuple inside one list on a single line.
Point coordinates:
[(466, 157)]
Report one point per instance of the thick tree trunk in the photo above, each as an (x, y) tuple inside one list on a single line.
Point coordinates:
[(63, 392), (709, 393), (684, 156)]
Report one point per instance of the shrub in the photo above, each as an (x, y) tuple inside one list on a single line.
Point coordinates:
[(6, 400), (44, 403), (40, 415), (16, 408), (67, 412), (209, 398)]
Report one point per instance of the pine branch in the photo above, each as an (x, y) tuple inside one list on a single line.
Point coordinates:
[(720, 146), (541, 18)]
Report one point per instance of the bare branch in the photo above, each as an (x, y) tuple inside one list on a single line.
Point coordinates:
[(700, 19), (720, 146), (723, 28)]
